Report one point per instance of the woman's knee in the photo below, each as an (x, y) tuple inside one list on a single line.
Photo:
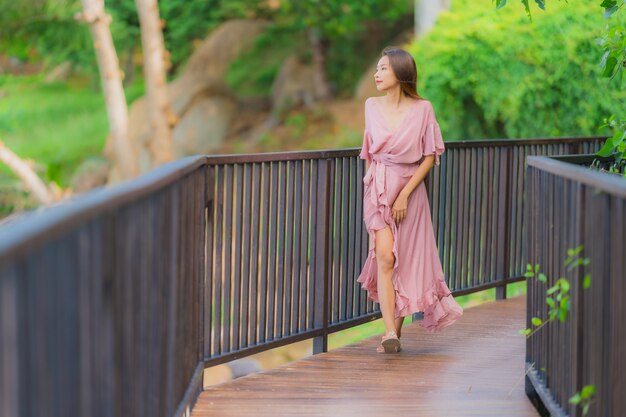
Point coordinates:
[(384, 246), (385, 259)]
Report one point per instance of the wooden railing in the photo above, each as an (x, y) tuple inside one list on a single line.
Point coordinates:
[(101, 300), (287, 228), (568, 206), (113, 303)]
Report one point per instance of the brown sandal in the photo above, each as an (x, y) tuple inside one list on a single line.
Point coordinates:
[(389, 344)]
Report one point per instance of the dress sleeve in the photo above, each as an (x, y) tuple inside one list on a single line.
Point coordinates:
[(366, 147), (432, 142)]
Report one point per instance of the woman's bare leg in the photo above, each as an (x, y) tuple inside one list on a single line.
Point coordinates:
[(384, 261), (398, 322)]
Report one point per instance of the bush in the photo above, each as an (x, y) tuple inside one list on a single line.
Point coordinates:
[(494, 74)]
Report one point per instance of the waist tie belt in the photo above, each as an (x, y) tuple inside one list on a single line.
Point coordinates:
[(376, 177)]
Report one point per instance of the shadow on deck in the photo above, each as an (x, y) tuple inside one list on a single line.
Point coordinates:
[(473, 368)]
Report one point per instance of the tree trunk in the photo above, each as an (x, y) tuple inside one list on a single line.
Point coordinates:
[(318, 47), (426, 12), (111, 77), (24, 171), (157, 101)]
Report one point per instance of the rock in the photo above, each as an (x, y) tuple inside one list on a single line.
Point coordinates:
[(212, 58), (204, 127), (201, 101), (243, 367), (91, 173), (293, 85)]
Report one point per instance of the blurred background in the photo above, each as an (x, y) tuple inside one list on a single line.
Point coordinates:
[(247, 76)]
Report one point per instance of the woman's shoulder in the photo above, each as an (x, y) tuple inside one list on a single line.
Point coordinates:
[(421, 100), (425, 102)]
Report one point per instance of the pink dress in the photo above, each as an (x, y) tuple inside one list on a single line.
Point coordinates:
[(394, 156)]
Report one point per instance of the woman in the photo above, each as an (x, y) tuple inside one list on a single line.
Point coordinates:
[(401, 143)]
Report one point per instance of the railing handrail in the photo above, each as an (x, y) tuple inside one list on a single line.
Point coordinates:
[(556, 165), (335, 153), (35, 227)]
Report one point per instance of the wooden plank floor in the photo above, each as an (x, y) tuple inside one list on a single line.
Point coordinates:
[(473, 368)]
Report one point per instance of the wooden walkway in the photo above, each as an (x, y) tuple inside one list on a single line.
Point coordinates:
[(473, 368)]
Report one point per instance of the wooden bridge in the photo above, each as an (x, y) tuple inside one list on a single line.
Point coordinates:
[(475, 367), (114, 303)]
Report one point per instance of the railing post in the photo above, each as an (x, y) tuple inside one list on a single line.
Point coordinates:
[(504, 223), (208, 263), (321, 259)]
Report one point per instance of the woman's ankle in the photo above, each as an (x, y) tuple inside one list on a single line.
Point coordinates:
[(391, 333)]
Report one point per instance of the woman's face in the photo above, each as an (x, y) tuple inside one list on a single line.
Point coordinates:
[(384, 76)]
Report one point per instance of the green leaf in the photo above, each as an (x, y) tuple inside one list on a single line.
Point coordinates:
[(607, 148), (524, 332), (527, 8), (586, 281), (550, 302), (536, 321), (500, 4), (608, 3), (611, 62), (609, 11), (552, 289), (588, 391), (542, 277), (575, 399)]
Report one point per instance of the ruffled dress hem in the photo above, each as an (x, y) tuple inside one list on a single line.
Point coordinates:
[(439, 308)]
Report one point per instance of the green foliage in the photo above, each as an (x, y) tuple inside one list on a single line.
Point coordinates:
[(340, 26), (337, 18), (494, 74), (540, 3), (584, 397), (612, 66), (265, 58), (45, 30), (67, 125), (185, 22), (558, 294), (561, 289)]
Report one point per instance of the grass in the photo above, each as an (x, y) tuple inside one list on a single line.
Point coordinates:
[(57, 125)]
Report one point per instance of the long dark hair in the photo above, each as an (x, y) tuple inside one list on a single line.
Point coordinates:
[(403, 66)]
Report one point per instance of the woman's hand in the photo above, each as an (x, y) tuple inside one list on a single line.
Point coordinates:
[(398, 210)]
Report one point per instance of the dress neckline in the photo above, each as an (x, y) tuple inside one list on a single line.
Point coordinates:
[(404, 118)]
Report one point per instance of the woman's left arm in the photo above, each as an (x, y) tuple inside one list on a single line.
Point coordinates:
[(419, 175)]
